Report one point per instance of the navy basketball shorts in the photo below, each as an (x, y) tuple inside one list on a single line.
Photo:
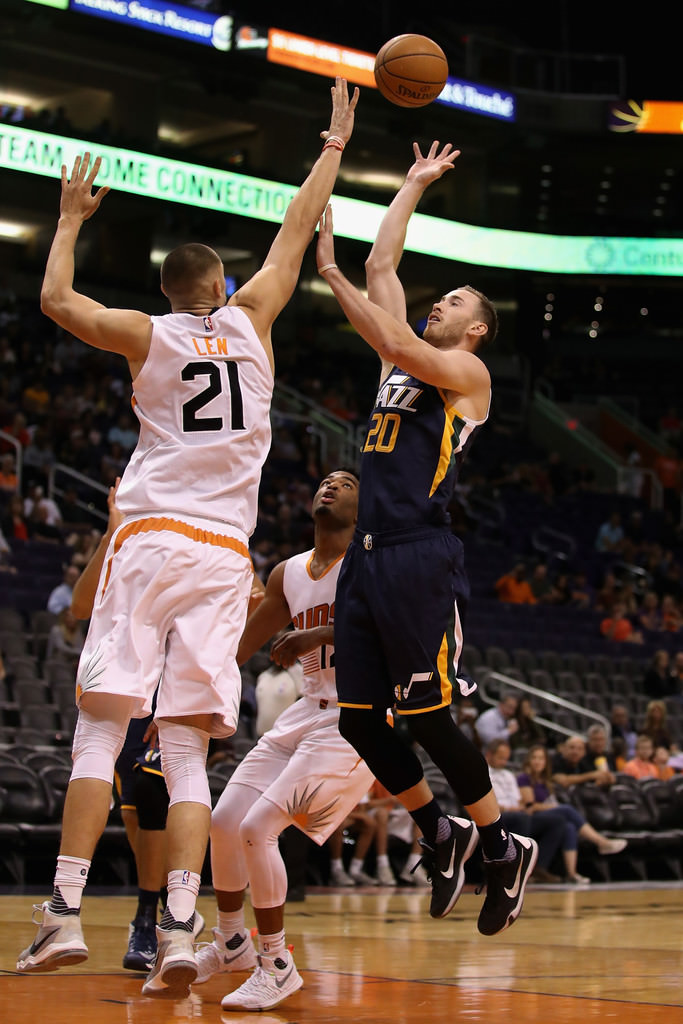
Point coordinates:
[(124, 770), (398, 618)]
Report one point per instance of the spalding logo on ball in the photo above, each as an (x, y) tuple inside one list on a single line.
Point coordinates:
[(411, 70)]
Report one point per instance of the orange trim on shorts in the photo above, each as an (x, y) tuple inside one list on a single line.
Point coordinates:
[(195, 533)]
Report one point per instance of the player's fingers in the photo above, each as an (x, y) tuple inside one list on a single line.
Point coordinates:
[(93, 171), (432, 149), (354, 98)]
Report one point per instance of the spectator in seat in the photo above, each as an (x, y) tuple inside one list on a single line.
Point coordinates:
[(60, 597), (610, 537), (598, 753), (619, 628), (642, 765), (538, 794), (529, 731), (66, 639), (514, 587), (547, 827), (499, 722), (622, 729), (569, 766), (656, 724), (658, 683)]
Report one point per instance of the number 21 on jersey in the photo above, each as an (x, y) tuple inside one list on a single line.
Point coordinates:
[(215, 386)]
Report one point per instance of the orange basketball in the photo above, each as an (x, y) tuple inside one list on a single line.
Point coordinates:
[(411, 70)]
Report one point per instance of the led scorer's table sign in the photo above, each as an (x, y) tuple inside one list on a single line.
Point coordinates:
[(31, 152)]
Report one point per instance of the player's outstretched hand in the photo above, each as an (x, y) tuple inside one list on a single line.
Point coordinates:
[(77, 198), (430, 167), (343, 111)]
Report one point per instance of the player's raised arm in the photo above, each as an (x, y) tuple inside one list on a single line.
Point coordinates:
[(265, 295), (381, 266), (116, 330), (454, 369)]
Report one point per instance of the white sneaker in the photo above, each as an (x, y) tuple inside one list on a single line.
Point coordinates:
[(270, 983), (175, 967), (362, 878), (224, 956), (58, 943), (339, 877), (385, 876)]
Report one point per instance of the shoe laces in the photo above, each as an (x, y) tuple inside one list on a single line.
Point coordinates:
[(427, 860), (208, 953), (39, 908), (257, 979)]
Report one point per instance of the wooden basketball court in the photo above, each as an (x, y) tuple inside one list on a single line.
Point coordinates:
[(604, 953)]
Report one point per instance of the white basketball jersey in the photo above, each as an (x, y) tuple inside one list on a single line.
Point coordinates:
[(203, 401), (311, 603)]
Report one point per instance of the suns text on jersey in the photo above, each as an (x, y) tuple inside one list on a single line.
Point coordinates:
[(320, 615)]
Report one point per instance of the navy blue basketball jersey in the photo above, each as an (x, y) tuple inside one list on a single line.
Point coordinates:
[(411, 456)]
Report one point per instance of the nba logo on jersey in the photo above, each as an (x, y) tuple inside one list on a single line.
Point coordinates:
[(186, 874), (208, 325)]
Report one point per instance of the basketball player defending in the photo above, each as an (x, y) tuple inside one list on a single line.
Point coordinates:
[(300, 772), (402, 587), (172, 598)]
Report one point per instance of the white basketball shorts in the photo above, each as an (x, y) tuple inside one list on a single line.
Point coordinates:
[(306, 768), (170, 609)]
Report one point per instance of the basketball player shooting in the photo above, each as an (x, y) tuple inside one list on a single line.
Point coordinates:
[(402, 589)]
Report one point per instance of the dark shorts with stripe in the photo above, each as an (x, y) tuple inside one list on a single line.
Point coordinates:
[(399, 608), (133, 748)]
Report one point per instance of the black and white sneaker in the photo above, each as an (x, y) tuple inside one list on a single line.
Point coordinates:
[(505, 884), (142, 944), (445, 864)]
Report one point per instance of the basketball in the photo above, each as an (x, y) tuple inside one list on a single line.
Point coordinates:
[(411, 70)]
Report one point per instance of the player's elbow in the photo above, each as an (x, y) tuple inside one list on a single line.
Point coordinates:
[(52, 303), (377, 265)]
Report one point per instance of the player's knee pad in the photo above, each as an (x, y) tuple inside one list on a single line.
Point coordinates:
[(389, 759), (183, 758), (151, 800), (97, 744)]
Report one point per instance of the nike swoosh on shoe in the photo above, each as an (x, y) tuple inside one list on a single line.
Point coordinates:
[(230, 959), (281, 981), (38, 944), (514, 891)]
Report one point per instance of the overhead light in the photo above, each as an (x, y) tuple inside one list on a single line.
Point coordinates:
[(158, 255), (19, 99), (15, 230)]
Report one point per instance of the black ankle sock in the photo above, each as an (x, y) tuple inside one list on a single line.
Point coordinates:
[(494, 840), (147, 904), (427, 820)]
